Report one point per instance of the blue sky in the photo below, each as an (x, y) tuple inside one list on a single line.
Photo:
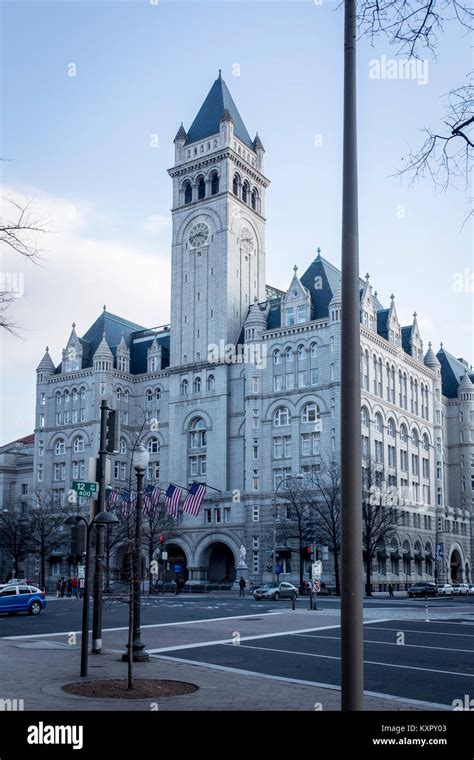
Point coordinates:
[(81, 148)]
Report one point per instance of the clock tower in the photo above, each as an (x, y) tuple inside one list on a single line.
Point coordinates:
[(218, 243)]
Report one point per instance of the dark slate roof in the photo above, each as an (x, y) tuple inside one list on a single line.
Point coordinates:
[(138, 357), (406, 335), (207, 121), (274, 314), (382, 316), (452, 371), (331, 279)]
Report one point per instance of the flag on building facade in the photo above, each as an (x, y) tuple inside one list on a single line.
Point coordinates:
[(151, 497), (172, 497), (194, 498)]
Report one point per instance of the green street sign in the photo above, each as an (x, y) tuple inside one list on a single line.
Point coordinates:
[(83, 488)]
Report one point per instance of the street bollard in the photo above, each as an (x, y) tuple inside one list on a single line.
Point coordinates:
[(293, 600), (310, 600), (427, 619)]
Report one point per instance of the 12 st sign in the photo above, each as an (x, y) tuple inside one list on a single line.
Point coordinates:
[(83, 488)]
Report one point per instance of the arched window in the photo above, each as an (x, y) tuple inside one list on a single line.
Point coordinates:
[(276, 357), (309, 413), (197, 434), (118, 394), (201, 185), (289, 356), (254, 200), (215, 184), (211, 383), (378, 423), (153, 446), (235, 185), (314, 350), (426, 442), (158, 394), (403, 433), (301, 353), (415, 439), (245, 192), (281, 417), (123, 446), (184, 387), (188, 193), (83, 392), (58, 397), (149, 395), (59, 446), (126, 396), (391, 428), (66, 397), (74, 394), (78, 444), (364, 417), (197, 385)]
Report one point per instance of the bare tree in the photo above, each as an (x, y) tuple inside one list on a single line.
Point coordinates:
[(297, 530), (20, 228), (156, 523), (378, 518), (324, 497), (45, 522), (14, 536), (414, 26)]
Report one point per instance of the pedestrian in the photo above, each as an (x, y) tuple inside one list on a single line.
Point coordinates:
[(178, 585), (59, 586), (242, 585), (69, 588), (63, 586), (74, 586), (390, 591)]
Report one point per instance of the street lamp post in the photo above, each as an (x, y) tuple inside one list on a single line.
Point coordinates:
[(101, 519), (140, 463)]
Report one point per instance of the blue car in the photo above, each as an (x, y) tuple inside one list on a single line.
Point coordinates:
[(22, 598)]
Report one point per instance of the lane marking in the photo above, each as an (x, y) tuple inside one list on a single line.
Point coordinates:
[(366, 662), (422, 632), (151, 625), (387, 643), (378, 695)]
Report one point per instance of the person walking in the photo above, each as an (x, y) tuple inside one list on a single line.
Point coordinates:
[(63, 586), (69, 588), (242, 585), (390, 591), (59, 586), (74, 586)]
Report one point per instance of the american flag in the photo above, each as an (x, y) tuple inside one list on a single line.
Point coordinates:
[(129, 500), (113, 498), (194, 498), (151, 497), (172, 497)]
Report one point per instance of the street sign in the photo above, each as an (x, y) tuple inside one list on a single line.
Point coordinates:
[(178, 568), (81, 571), (164, 555), (316, 586), (317, 569), (278, 569), (83, 488), (82, 582)]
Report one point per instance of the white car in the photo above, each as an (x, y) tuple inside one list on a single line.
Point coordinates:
[(471, 589), (461, 589), (445, 589)]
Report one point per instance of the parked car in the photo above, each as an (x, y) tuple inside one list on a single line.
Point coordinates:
[(275, 591), (22, 598), (471, 589), (423, 589), (460, 589), (445, 589)]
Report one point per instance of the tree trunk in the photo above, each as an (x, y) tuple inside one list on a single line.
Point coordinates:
[(43, 569), (368, 576), (336, 573)]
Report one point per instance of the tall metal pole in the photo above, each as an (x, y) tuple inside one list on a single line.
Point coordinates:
[(352, 664), (85, 604), (99, 543), (138, 654)]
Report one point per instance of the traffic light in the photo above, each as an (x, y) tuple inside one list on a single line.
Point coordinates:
[(307, 553), (112, 442), (162, 540)]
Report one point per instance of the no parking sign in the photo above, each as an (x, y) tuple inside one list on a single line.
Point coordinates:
[(316, 586)]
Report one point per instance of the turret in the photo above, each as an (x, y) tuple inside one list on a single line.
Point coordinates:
[(226, 127), (259, 150), (179, 143)]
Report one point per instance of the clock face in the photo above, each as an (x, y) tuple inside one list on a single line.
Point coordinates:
[(198, 235), (246, 240)]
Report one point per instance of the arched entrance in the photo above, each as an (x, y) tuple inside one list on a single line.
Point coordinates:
[(455, 566), (220, 562), (177, 563)]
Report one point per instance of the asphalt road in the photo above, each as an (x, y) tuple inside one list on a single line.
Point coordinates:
[(65, 614), (432, 662)]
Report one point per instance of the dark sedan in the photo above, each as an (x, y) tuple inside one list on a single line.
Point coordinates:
[(423, 589)]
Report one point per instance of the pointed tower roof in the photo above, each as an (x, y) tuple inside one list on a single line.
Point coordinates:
[(218, 101), (122, 346), (257, 143), (46, 363), (180, 134), (103, 350), (465, 384), (430, 358), (256, 316)]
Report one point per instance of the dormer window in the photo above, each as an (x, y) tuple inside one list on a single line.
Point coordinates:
[(290, 316), (301, 314)]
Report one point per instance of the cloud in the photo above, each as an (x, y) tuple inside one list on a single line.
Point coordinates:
[(78, 274)]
